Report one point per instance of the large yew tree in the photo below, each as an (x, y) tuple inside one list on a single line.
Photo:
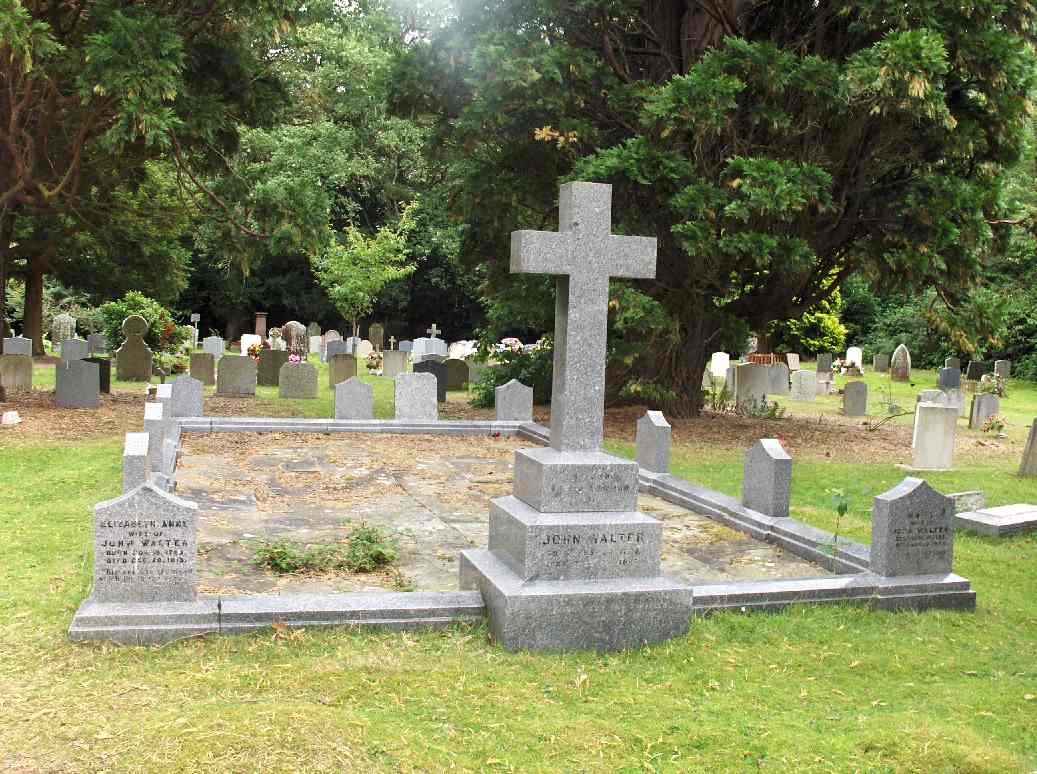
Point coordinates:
[(773, 147)]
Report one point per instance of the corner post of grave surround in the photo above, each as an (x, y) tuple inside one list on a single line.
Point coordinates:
[(571, 564)]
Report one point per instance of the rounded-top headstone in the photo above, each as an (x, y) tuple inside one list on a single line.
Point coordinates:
[(135, 325)]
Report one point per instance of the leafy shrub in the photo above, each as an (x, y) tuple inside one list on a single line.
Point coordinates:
[(367, 549), (163, 335), (532, 368), (819, 330), (763, 409)]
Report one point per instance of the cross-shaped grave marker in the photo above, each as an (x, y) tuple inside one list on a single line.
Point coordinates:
[(584, 254), (392, 342), (433, 331)]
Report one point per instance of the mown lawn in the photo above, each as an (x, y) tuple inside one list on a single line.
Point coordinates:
[(832, 689)]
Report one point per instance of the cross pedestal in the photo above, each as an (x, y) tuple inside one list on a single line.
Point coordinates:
[(571, 564)]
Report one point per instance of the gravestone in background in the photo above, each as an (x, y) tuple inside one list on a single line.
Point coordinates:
[(933, 439), (335, 347), (984, 406), (652, 443), (203, 368), (215, 346), (249, 340), (313, 329), (950, 378), (792, 360), (328, 338), (416, 396), (719, 363), (188, 398), (104, 370), (824, 366), (277, 340), (62, 327), (1028, 467), (956, 397), (340, 368), (353, 399), (134, 461), (77, 384), (952, 362), (261, 323), (880, 363), (16, 372), (977, 369), (296, 341), (931, 396), (18, 345), (767, 478), (912, 532), (514, 402), (376, 335), (751, 384), (363, 349), (317, 346), (155, 424), (298, 380), (268, 370), (1003, 368), (777, 379), (145, 548), (406, 345), (438, 370), (855, 399), (74, 349), (133, 358), (394, 363), (804, 386), (97, 344), (236, 376), (855, 357), (900, 365), (456, 373)]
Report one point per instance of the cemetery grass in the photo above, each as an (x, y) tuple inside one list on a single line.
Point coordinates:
[(819, 689)]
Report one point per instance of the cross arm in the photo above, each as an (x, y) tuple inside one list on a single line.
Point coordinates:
[(631, 256), (540, 252)]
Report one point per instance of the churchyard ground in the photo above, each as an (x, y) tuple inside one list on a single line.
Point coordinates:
[(814, 689)]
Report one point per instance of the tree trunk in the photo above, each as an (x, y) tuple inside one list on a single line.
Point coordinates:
[(6, 229), (32, 319), (681, 369)]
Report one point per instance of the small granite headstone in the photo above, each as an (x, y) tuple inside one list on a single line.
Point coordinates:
[(652, 444), (778, 379), (950, 378), (104, 367), (855, 399), (203, 368), (236, 376), (298, 380), (880, 363), (900, 365), (933, 439), (456, 373), (984, 406), (62, 327), (1003, 368), (912, 531), (16, 372), (215, 346), (1028, 466), (394, 363), (353, 399), (97, 344), (77, 384), (824, 367), (145, 548), (340, 368), (438, 370), (416, 396), (18, 345), (133, 358), (804, 386), (134, 461), (188, 399), (268, 370), (767, 479), (514, 402)]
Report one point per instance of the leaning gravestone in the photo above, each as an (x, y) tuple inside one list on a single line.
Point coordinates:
[(268, 370), (340, 368), (16, 372), (880, 363), (394, 363), (1003, 368), (145, 548), (571, 564), (456, 373), (900, 365), (438, 370), (778, 379), (652, 443), (62, 327), (188, 399), (514, 402), (203, 368), (767, 478), (354, 400), (74, 349), (950, 378), (933, 441), (215, 346), (1028, 467), (97, 344), (984, 406), (376, 334), (912, 531), (804, 386), (104, 368), (133, 358), (295, 339), (236, 376), (855, 399), (77, 384), (18, 345), (416, 396), (298, 380)]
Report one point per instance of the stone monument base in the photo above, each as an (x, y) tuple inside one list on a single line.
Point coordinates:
[(565, 615)]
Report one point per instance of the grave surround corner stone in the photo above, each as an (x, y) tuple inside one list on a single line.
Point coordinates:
[(652, 442), (514, 402), (767, 479)]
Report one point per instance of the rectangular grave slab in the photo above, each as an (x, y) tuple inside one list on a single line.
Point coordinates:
[(416, 397), (298, 380), (999, 522)]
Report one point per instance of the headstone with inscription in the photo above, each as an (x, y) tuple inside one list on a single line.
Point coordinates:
[(912, 531), (855, 399), (652, 442), (804, 386), (438, 370), (18, 345), (933, 440), (900, 365), (236, 376), (268, 370), (77, 384), (514, 402), (777, 379), (62, 327), (984, 406), (203, 368), (416, 397), (571, 564), (394, 363), (298, 380), (295, 339), (340, 368), (353, 399), (133, 358), (767, 478), (16, 372)]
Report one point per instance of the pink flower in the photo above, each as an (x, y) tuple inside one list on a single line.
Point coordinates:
[(294, 359)]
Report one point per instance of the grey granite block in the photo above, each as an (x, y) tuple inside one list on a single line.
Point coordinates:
[(236, 376), (999, 522), (514, 402), (767, 478), (354, 399), (74, 349), (653, 442), (564, 482), (416, 396), (77, 384), (188, 397), (912, 532)]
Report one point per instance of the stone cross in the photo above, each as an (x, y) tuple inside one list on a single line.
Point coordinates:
[(584, 254), (392, 342), (433, 331)]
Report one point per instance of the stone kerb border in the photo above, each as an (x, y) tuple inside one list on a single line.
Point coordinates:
[(147, 623)]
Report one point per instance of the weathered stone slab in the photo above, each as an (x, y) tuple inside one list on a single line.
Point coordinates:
[(767, 480), (950, 378), (824, 366), (792, 360), (145, 548), (999, 522), (654, 436), (134, 461), (376, 335), (568, 482), (188, 398), (394, 363), (1028, 466), (62, 327), (952, 362), (855, 357), (416, 396), (438, 370), (298, 380), (296, 339), (900, 365), (855, 399), (977, 369), (804, 386), (203, 368), (268, 369), (236, 376), (956, 398), (984, 406), (751, 384), (16, 372), (77, 384), (456, 373), (933, 442), (514, 402), (912, 532), (340, 368), (353, 399), (133, 359), (880, 363), (18, 345), (74, 349)]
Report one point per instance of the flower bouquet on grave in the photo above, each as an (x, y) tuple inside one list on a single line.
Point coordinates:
[(374, 361), (255, 351), (294, 360)]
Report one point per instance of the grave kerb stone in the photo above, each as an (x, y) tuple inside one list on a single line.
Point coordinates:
[(767, 478), (652, 442), (513, 402)]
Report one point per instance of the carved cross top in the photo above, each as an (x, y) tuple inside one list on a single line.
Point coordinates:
[(433, 331), (584, 254), (392, 342)]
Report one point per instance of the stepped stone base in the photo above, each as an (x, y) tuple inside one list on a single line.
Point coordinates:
[(551, 481)]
